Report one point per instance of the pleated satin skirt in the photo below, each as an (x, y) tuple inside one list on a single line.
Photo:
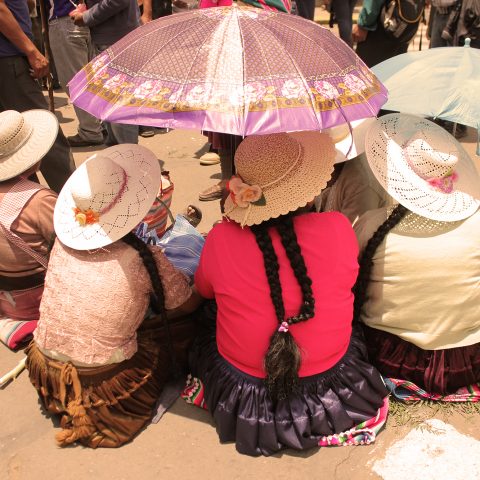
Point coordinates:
[(331, 402)]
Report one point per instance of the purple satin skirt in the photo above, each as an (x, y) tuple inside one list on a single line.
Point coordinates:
[(331, 402)]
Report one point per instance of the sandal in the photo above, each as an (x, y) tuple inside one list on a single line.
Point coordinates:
[(193, 215), (212, 193)]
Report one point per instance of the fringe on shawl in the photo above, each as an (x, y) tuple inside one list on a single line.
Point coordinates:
[(104, 406)]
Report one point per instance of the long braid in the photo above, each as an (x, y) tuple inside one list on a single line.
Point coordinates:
[(270, 262), (282, 360), (366, 261), (158, 299), (297, 262)]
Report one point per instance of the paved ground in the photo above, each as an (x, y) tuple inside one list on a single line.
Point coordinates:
[(184, 444)]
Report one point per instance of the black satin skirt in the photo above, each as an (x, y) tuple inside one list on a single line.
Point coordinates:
[(331, 402)]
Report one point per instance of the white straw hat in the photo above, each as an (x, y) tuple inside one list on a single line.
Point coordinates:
[(423, 167), (24, 139), (107, 197), (346, 145), (278, 174)]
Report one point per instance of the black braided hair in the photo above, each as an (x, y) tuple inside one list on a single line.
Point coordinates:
[(158, 299), (282, 360), (366, 261)]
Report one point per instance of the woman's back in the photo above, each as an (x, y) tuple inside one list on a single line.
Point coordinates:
[(424, 283), (232, 270), (94, 302)]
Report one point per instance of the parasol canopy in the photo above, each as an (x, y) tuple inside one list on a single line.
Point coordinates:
[(237, 70)]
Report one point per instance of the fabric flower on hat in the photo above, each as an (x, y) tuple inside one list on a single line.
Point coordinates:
[(243, 194)]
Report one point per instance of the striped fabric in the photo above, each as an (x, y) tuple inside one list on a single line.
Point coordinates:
[(409, 392), (14, 333)]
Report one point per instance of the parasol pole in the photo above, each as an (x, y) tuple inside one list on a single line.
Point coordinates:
[(48, 54)]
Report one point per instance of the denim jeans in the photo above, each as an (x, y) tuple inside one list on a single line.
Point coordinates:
[(72, 50)]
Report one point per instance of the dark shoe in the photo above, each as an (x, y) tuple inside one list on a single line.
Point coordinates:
[(146, 132), (78, 141), (164, 130)]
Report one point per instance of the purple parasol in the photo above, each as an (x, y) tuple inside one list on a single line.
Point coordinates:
[(237, 70)]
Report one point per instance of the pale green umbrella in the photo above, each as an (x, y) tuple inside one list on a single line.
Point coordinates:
[(439, 82)]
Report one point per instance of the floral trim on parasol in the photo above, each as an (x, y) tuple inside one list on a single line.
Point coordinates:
[(167, 96)]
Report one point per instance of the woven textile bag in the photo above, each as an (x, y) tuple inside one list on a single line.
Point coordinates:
[(159, 213)]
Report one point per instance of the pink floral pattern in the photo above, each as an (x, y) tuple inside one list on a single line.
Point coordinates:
[(175, 97), (98, 63), (293, 89), (353, 83), (255, 92), (117, 82), (198, 95), (146, 89), (326, 89)]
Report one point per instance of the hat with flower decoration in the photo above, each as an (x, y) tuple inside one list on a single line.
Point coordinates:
[(278, 174), (107, 196), (423, 167)]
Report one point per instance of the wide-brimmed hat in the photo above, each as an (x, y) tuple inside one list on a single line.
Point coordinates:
[(349, 140), (107, 196), (24, 139), (278, 174), (423, 167)]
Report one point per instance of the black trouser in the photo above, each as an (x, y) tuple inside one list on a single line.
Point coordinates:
[(19, 91)]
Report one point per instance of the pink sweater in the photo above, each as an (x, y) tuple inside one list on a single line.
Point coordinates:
[(231, 271), (94, 302)]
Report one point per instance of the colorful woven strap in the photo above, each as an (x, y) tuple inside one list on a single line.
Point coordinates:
[(10, 208)]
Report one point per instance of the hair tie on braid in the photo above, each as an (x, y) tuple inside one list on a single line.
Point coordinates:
[(282, 360)]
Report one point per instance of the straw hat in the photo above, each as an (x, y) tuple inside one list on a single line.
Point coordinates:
[(423, 167), (24, 139), (349, 140), (277, 174), (107, 196)]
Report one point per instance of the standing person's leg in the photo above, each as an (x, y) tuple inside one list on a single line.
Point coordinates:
[(439, 22), (19, 91), (118, 133), (71, 49), (306, 9), (121, 133), (343, 10), (379, 47)]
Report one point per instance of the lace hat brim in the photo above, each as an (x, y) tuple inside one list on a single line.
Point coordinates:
[(298, 188), (143, 182), (386, 149)]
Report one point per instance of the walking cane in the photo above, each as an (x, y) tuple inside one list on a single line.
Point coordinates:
[(48, 54)]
